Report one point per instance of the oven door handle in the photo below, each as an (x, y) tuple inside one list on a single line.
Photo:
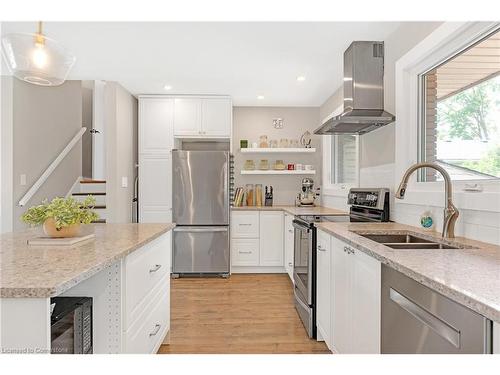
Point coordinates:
[(298, 225)]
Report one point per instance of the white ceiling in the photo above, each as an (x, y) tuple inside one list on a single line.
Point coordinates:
[(243, 60)]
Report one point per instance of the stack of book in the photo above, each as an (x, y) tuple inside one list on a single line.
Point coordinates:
[(239, 197)]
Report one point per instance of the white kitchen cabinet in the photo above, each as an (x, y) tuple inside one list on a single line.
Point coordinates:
[(216, 117), (288, 236), (131, 300), (155, 188), (156, 140), (245, 252), (202, 117), (257, 241), (323, 287), (342, 299), (156, 125), (366, 304), (245, 224), (187, 117), (356, 283), (147, 302), (271, 238)]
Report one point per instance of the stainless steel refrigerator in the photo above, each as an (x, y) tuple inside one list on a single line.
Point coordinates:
[(200, 201)]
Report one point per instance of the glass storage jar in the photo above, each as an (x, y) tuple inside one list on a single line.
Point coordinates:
[(250, 197)]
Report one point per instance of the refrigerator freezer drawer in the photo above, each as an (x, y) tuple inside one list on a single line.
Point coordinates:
[(201, 250)]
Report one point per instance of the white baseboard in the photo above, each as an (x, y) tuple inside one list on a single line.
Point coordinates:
[(256, 269)]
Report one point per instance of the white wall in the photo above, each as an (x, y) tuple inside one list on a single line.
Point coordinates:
[(6, 154), (377, 147), (121, 151), (377, 160), (251, 122), (44, 120)]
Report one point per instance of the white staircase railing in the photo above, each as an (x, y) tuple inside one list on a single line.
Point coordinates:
[(51, 167)]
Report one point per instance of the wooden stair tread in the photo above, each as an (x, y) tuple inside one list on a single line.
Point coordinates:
[(83, 194), (92, 181)]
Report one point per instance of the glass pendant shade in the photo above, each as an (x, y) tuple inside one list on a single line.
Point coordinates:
[(36, 59)]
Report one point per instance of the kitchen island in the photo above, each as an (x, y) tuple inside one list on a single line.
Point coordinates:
[(125, 269)]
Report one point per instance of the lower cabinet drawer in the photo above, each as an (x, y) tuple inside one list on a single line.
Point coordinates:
[(245, 252), (144, 268), (245, 224), (146, 334)]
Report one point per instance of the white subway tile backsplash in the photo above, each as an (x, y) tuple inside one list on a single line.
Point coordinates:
[(475, 224)]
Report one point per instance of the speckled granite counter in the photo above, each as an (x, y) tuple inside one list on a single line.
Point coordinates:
[(292, 210), (29, 271), (470, 277)]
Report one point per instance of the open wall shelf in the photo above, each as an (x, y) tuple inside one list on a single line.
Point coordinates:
[(301, 150), (275, 172)]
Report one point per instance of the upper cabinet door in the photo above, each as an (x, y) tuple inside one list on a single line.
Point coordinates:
[(156, 125), (216, 117), (187, 116)]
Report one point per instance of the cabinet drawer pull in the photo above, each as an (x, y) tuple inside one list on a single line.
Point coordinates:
[(155, 268), (290, 230), (290, 264), (156, 330), (348, 250), (244, 252), (244, 224), (320, 248)]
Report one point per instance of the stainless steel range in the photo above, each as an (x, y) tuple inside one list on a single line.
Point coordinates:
[(370, 205)]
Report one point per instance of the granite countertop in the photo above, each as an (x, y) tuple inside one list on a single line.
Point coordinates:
[(292, 210), (469, 276), (42, 272)]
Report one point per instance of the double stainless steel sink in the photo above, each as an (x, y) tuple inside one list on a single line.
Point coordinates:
[(407, 240)]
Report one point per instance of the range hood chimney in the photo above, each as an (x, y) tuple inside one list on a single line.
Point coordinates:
[(363, 92)]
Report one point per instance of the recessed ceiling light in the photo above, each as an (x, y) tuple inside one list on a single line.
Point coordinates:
[(167, 87), (260, 97), (301, 78)]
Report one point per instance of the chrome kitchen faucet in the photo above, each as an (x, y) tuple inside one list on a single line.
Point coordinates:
[(450, 211)]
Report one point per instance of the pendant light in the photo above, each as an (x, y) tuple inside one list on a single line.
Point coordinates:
[(36, 59)]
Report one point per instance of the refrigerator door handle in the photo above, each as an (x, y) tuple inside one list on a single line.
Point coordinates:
[(201, 229), (226, 186)]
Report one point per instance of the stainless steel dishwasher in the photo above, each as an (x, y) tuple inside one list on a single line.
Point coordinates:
[(416, 319)]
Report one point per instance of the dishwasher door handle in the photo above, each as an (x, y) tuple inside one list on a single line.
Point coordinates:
[(439, 326)]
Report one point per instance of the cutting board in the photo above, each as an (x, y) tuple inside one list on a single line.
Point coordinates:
[(49, 241)]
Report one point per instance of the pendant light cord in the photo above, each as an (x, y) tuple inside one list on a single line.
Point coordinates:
[(39, 39)]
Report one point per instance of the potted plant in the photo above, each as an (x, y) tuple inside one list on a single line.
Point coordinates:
[(62, 216)]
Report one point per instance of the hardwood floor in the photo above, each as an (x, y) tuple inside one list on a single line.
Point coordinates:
[(242, 314)]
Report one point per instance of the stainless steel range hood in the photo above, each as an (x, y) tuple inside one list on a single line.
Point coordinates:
[(363, 92)]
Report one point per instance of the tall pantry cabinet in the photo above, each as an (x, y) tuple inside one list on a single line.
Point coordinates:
[(156, 140), (162, 120)]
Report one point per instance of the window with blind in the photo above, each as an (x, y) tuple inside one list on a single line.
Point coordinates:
[(460, 114)]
